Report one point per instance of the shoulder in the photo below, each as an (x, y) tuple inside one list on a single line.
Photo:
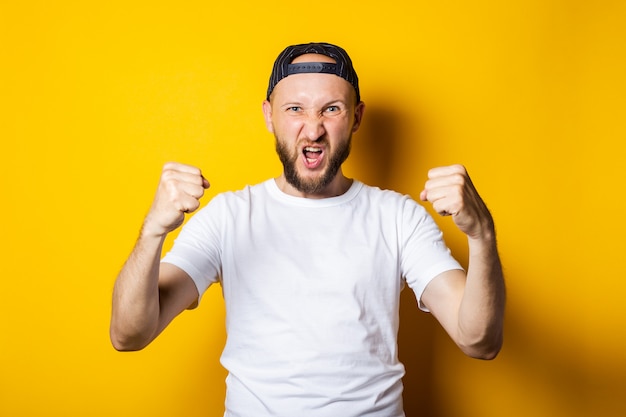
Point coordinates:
[(390, 199), (228, 204), (245, 194)]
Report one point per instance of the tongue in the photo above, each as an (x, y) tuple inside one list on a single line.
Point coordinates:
[(312, 155)]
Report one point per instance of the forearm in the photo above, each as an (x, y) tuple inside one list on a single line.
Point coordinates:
[(147, 297), (481, 312), (135, 312)]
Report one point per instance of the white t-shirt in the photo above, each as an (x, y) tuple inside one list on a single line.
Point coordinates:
[(312, 290)]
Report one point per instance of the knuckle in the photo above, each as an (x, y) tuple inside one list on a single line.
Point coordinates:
[(196, 192), (170, 184), (459, 179), (190, 205), (458, 168), (197, 179), (171, 167), (168, 175)]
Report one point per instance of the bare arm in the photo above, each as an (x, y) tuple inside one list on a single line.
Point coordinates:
[(469, 307), (148, 295)]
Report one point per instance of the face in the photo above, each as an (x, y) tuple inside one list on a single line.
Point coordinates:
[(312, 117)]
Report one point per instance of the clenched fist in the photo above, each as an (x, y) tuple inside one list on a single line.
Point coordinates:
[(179, 192), (451, 192)]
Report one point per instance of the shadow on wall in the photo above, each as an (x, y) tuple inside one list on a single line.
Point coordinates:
[(415, 344), (374, 146), (553, 370)]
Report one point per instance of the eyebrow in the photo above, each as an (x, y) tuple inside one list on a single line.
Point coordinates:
[(326, 104)]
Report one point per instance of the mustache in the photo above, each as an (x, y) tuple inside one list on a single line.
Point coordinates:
[(322, 140)]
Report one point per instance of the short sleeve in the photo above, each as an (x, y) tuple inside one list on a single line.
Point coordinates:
[(197, 249), (423, 252)]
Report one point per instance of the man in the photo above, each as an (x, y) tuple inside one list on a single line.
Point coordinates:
[(312, 263)]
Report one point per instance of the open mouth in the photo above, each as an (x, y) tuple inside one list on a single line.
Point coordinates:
[(312, 156)]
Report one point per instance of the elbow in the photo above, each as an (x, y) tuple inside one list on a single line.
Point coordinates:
[(122, 346), (484, 348), (486, 354), (123, 342)]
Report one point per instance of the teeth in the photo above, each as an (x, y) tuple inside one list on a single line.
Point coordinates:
[(312, 149)]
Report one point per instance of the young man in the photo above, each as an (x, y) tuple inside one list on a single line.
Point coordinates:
[(312, 263)]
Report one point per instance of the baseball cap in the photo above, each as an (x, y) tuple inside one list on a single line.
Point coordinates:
[(342, 68)]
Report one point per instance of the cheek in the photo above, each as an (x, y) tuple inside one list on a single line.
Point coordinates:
[(287, 128), (339, 127)]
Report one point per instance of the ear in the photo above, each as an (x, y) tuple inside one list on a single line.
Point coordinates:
[(267, 114), (358, 116)]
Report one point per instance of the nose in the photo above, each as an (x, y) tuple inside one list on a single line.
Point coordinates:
[(313, 128)]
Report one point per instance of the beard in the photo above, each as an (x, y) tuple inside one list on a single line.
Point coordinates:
[(316, 184)]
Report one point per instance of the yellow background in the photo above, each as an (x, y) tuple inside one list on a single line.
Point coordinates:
[(96, 96)]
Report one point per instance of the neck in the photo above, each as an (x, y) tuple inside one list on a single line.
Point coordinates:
[(339, 185)]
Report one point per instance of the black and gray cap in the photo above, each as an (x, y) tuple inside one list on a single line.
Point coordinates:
[(342, 68)]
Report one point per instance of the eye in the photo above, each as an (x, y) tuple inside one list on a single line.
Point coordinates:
[(294, 109), (332, 109)]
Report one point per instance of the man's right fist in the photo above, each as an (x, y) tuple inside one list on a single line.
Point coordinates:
[(179, 192)]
